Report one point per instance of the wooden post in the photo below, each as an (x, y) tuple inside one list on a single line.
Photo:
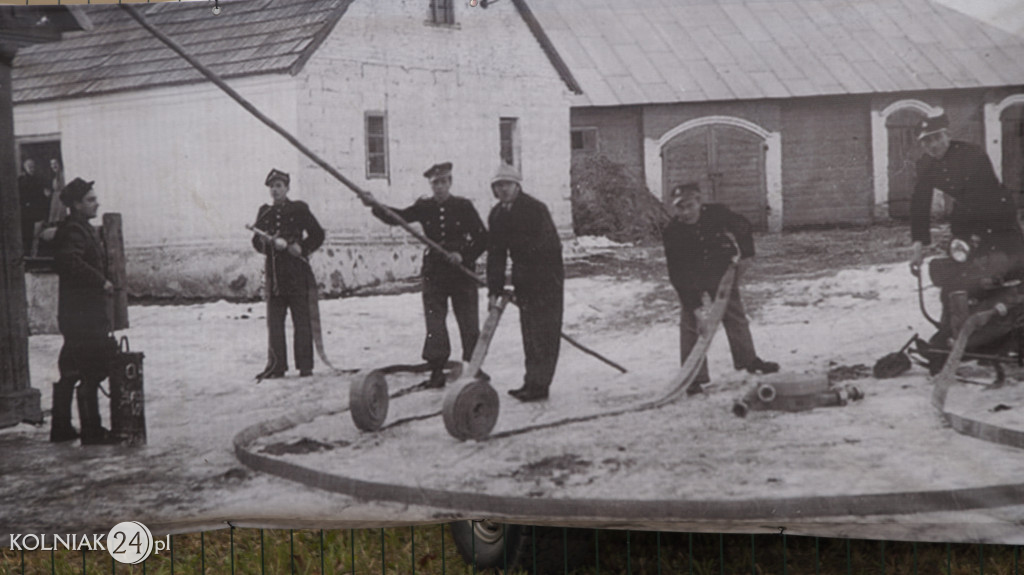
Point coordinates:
[(18, 400), (113, 240)]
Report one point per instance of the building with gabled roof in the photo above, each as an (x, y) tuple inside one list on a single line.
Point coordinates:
[(796, 112), (381, 90)]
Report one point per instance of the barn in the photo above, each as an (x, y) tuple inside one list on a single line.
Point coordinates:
[(797, 112), (380, 90)]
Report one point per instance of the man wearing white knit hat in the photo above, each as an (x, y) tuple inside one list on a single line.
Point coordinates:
[(521, 228)]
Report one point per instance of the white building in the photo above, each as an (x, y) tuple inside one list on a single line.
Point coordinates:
[(381, 90)]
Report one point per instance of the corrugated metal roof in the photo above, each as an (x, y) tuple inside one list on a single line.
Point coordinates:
[(626, 52), (249, 37)]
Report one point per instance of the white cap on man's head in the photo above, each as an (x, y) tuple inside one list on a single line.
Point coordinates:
[(507, 173)]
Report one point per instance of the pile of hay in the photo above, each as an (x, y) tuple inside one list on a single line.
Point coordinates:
[(609, 201)]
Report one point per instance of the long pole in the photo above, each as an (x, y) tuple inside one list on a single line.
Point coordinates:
[(363, 195)]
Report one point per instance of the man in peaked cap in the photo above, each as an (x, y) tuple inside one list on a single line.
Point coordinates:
[(701, 241), (453, 222), (290, 233), (522, 229), (983, 210), (88, 348)]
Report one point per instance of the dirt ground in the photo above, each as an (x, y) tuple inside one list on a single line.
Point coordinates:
[(819, 301)]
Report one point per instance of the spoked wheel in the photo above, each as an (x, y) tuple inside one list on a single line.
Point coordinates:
[(368, 399), (471, 409)]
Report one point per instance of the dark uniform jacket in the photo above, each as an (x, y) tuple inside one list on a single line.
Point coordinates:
[(81, 264), (698, 255), (35, 206), (285, 273), (526, 232), (982, 206), (454, 224)]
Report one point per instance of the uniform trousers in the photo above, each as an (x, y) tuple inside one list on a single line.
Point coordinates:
[(540, 320), (737, 330), (465, 297), (277, 308)]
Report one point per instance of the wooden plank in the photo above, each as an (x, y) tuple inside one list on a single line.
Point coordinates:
[(14, 367), (113, 242)]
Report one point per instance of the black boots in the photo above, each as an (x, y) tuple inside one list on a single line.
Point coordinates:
[(761, 366), (437, 378), (60, 415), (93, 432)]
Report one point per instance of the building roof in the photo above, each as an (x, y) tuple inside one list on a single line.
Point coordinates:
[(248, 37), (625, 52)]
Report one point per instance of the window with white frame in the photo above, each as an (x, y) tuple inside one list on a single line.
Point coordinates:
[(584, 140), (376, 145)]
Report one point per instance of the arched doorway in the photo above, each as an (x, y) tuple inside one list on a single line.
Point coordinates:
[(727, 160), (904, 151), (1012, 121)]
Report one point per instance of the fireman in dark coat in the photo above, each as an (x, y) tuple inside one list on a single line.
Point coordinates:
[(454, 223), (701, 241), (82, 317), (294, 234), (521, 228), (984, 212)]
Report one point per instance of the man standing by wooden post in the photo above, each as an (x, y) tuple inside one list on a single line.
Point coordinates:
[(82, 315)]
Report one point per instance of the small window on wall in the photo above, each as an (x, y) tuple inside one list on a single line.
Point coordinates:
[(376, 145), (584, 140), (509, 134), (442, 12)]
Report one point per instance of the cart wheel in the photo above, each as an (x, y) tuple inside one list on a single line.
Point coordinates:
[(368, 399), (471, 410)]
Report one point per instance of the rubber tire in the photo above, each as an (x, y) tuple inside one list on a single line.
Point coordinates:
[(555, 547)]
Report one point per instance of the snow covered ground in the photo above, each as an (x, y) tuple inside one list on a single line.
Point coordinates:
[(199, 367)]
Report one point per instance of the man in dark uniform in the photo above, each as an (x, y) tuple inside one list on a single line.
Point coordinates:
[(701, 241), (82, 317), (984, 213), (291, 234), (35, 204), (522, 228), (454, 223)]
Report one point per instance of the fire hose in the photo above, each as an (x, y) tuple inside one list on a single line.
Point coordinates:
[(363, 195)]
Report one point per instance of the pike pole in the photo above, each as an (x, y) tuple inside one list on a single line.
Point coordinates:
[(363, 195)]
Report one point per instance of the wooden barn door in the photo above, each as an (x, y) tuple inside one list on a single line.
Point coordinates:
[(904, 152), (729, 164), (1013, 148)]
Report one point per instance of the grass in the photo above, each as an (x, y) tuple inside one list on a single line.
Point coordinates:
[(411, 550)]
